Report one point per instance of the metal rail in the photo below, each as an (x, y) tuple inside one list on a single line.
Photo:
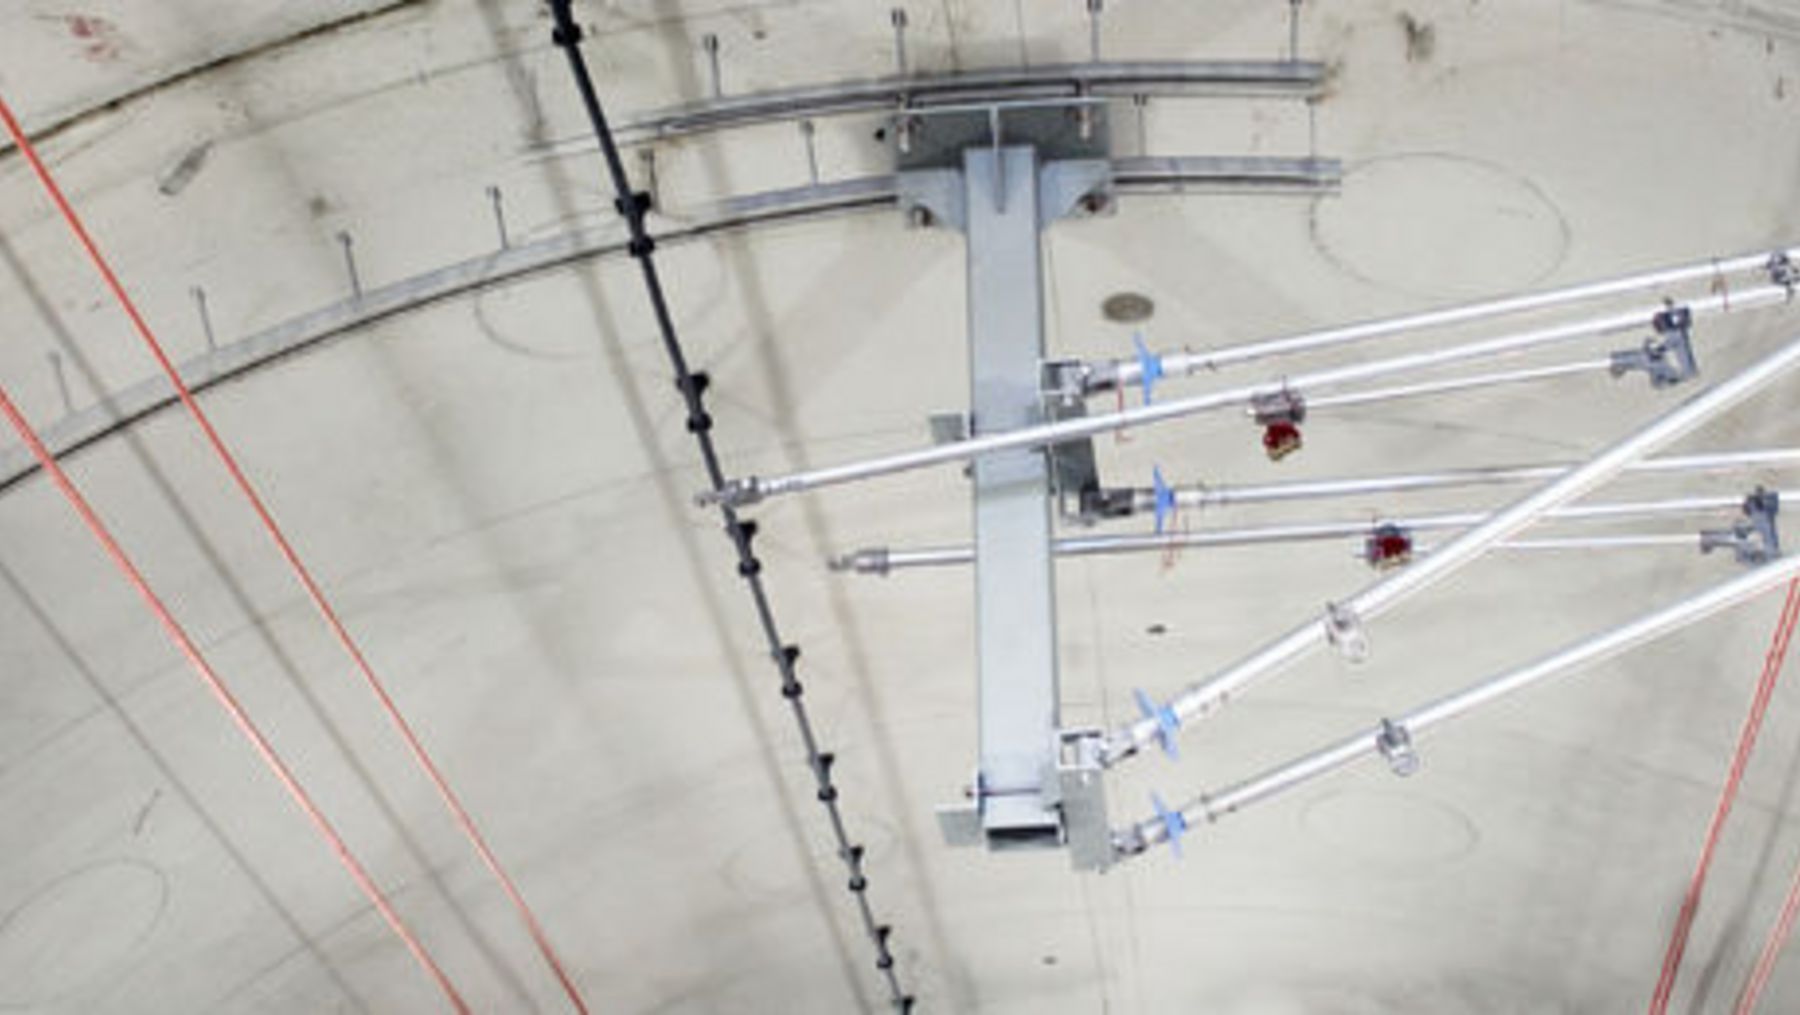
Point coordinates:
[(1188, 175), (1296, 79)]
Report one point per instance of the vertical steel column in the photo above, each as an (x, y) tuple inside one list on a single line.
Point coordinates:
[(1014, 590)]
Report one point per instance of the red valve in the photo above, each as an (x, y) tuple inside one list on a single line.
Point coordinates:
[(1388, 547), (1281, 439)]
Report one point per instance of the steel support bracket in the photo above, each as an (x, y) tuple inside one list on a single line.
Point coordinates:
[(1668, 356), (1396, 745), (1753, 539), (1081, 782)]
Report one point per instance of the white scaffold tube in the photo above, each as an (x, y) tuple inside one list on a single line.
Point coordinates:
[(1208, 696), (1209, 807), (1206, 495), (1129, 370), (883, 560), (750, 489)]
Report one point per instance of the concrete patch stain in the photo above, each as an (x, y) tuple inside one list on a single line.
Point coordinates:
[(101, 41)]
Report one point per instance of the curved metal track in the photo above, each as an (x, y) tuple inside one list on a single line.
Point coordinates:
[(1194, 175)]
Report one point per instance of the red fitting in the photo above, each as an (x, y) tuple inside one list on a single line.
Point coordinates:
[(1388, 547), (1280, 439)]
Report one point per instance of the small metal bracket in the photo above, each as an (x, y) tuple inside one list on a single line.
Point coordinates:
[(1280, 414), (1396, 745), (1075, 188), (1344, 630), (1074, 470), (936, 137), (1081, 779), (949, 427), (1668, 356), (1387, 547), (1783, 272), (1754, 538), (931, 197)]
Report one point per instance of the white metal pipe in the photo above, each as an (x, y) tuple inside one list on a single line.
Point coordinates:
[(1129, 370), (1211, 807), (1372, 396), (750, 489), (1207, 696), (881, 560), (1208, 496)]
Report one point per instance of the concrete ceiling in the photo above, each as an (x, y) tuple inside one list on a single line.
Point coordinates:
[(496, 489)]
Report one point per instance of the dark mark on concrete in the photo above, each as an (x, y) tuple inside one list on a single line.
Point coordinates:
[(182, 173), (51, 131), (1421, 38)]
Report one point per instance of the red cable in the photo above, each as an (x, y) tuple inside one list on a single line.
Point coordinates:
[(1765, 962), (301, 573), (230, 703), (1759, 706)]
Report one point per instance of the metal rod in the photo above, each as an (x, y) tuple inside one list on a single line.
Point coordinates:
[(812, 152), (1094, 8), (897, 17), (1208, 696), (750, 489), (344, 240), (1125, 371), (710, 43), (882, 560), (1211, 807), (498, 202), (206, 327), (1293, 29), (1210, 496)]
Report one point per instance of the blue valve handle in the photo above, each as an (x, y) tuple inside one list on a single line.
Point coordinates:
[(1174, 824), (1150, 366), (1165, 498), (1167, 722)]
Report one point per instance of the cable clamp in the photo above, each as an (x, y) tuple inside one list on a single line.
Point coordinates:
[(1783, 272), (1344, 630), (1280, 414), (1396, 745), (1162, 499), (1667, 356), (1168, 724), (1150, 365), (1754, 538)]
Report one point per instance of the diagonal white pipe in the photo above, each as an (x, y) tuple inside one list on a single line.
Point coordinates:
[(1207, 696)]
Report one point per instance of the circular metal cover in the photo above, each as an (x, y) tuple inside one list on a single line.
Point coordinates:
[(1127, 308)]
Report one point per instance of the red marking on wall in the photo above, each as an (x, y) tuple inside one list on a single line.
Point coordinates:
[(101, 40)]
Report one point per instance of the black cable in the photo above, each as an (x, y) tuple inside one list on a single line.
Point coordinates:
[(633, 205)]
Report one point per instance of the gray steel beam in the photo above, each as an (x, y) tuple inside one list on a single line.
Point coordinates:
[(1014, 584)]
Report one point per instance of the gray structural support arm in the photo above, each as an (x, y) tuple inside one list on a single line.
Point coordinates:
[(1014, 583), (1213, 806), (1208, 696)]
